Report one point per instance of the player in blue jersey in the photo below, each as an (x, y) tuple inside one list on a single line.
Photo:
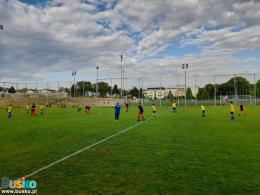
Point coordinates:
[(117, 112)]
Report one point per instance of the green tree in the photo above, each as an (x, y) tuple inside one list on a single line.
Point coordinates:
[(72, 91), (189, 93), (242, 86), (258, 88), (170, 95), (202, 93), (87, 87), (11, 90), (103, 88), (115, 90), (210, 90), (134, 92)]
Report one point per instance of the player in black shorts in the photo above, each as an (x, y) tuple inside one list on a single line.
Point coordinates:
[(126, 106), (87, 109), (140, 114), (242, 110)]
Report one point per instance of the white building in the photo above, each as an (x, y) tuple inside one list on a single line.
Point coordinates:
[(158, 92)]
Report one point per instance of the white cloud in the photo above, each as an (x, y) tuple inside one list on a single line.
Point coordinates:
[(67, 33)]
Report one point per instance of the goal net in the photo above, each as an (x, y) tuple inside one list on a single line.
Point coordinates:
[(246, 99)]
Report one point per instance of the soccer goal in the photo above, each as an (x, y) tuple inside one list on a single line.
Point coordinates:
[(246, 99)]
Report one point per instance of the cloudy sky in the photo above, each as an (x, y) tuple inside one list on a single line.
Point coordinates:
[(47, 39)]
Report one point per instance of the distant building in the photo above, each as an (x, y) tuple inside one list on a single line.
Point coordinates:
[(160, 93)]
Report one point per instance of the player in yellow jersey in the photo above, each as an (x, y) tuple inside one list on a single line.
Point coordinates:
[(153, 110), (174, 106), (9, 111), (27, 109), (41, 109), (203, 111), (232, 111)]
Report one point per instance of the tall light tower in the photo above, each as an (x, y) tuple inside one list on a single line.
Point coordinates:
[(185, 67), (123, 84), (97, 83), (121, 78), (74, 73)]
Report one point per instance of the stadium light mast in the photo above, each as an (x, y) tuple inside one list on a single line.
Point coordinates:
[(74, 73), (97, 82), (235, 88), (215, 91), (196, 93), (121, 78), (123, 84), (160, 92), (255, 89), (185, 67)]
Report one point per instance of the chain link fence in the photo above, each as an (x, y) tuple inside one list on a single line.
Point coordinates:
[(200, 89)]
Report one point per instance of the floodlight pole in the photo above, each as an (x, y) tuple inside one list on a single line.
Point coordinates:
[(142, 94), (26, 94), (48, 92), (123, 85), (235, 89), (255, 89), (59, 92), (185, 67), (196, 98), (111, 87), (160, 91), (4, 95), (121, 58), (215, 91), (83, 88), (70, 90), (74, 75), (139, 88), (97, 83)]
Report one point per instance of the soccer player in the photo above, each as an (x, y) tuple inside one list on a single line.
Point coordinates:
[(126, 106), (117, 112), (41, 108), (153, 110), (232, 111), (174, 106), (9, 111), (242, 111), (33, 110), (87, 109), (140, 114), (203, 111), (27, 109)]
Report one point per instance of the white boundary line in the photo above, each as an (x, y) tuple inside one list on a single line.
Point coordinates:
[(83, 149)]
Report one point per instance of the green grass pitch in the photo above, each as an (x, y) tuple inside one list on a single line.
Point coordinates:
[(174, 153)]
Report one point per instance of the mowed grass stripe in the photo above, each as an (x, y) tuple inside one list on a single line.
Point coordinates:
[(175, 154), (41, 140)]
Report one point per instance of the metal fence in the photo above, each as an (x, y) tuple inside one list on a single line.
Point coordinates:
[(56, 91)]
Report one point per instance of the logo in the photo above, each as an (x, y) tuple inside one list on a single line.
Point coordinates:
[(20, 184)]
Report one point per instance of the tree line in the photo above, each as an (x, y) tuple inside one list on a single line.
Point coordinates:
[(236, 85), (240, 84)]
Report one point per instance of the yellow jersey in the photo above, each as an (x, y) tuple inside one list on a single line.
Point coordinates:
[(203, 108), (41, 107), (27, 107), (232, 108), (9, 109), (154, 108), (174, 105)]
